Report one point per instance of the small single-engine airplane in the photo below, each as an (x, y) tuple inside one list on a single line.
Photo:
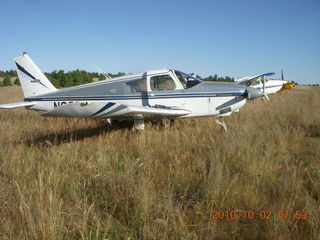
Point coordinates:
[(288, 85), (150, 95), (260, 82)]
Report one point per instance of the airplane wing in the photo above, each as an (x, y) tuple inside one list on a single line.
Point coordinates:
[(17, 104), (114, 110), (147, 112), (252, 78)]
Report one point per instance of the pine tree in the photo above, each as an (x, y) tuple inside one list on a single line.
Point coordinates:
[(17, 82), (6, 82)]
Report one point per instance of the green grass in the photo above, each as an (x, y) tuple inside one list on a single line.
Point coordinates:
[(74, 179)]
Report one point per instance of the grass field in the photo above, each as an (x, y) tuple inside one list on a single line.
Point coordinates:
[(74, 179)]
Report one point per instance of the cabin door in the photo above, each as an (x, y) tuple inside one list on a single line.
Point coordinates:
[(163, 92)]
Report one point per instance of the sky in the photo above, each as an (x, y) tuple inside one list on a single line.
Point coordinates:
[(233, 38)]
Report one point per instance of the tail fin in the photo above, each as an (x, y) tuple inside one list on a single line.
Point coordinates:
[(32, 80)]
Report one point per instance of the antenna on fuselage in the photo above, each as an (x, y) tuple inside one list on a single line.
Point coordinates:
[(101, 72)]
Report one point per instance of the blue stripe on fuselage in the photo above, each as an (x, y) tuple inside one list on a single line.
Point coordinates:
[(128, 97)]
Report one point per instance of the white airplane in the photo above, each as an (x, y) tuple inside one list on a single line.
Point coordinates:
[(159, 94), (260, 82)]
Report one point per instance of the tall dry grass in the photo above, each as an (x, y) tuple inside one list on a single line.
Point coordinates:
[(74, 179)]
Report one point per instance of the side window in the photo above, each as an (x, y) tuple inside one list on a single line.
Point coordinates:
[(255, 82), (138, 85), (162, 82)]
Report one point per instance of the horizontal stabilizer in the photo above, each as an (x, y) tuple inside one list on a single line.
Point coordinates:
[(17, 104)]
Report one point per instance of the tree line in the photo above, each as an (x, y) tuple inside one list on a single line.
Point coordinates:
[(61, 79), (76, 77), (216, 78)]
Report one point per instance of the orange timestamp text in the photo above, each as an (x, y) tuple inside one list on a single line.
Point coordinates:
[(257, 214)]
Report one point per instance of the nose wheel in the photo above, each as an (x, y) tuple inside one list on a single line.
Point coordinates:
[(222, 123)]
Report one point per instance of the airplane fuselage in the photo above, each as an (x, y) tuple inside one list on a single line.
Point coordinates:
[(271, 86), (204, 99)]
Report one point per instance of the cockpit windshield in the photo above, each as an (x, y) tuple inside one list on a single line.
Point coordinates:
[(186, 80), (256, 82), (252, 82)]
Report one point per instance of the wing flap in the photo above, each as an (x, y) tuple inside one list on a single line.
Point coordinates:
[(113, 110), (147, 112)]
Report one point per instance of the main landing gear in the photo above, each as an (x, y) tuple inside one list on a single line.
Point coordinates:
[(138, 122), (109, 123), (222, 123)]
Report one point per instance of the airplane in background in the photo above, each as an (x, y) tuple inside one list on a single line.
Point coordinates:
[(159, 94), (288, 85), (262, 83)]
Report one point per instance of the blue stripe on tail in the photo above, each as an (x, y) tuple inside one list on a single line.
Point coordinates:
[(29, 74)]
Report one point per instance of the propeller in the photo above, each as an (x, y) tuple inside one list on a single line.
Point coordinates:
[(252, 93), (264, 88)]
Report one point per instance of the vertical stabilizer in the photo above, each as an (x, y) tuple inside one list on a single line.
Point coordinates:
[(32, 80)]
